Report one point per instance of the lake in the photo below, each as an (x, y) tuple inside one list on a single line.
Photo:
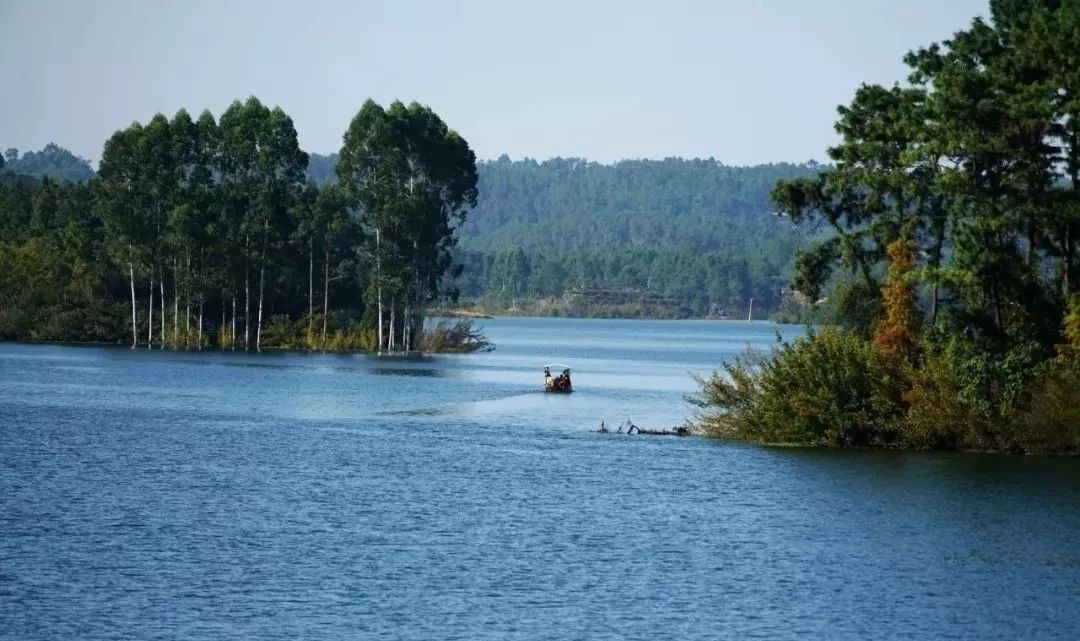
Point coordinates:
[(161, 495)]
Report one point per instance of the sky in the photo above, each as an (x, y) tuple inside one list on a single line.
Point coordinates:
[(741, 81)]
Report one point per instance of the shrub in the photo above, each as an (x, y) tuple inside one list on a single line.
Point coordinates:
[(446, 336), (1051, 422), (827, 388), (279, 332), (939, 414)]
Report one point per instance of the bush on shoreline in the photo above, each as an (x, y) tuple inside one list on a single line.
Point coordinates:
[(834, 388)]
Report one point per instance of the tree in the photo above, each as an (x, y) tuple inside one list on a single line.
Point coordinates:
[(340, 237), (124, 199), (263, 169), (974, 163), (412, 178)]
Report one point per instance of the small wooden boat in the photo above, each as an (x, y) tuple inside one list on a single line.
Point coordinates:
[(558, 384)]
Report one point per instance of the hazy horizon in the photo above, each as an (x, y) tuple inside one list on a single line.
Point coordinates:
[(743, 83)]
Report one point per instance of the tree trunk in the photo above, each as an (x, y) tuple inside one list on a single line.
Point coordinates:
[(378, 286), (311, 287), (390, 339), (200, 325), (150, 319), (222, 347), (405, 330), (134, 330), (232, 341), (187, 304), (161, 284), (247, 302), (258, 328), (939, 245), (1066, 263), (176, 306), (326, 296)]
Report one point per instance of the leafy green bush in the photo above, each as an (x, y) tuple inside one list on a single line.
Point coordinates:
[(279, 332), (939, 414), (447, 336), (1051, 422), (827, 388)]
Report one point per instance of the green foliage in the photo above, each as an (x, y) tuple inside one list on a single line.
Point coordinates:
[(412, 179), (854, 305), (454, 335), (1051, 421), (696, 232), (834, 388), (964, 188), (52, 162), (827, 388), (217, 216)]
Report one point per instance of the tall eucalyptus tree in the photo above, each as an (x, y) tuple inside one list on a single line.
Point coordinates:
[(412, 179), (124, 199)]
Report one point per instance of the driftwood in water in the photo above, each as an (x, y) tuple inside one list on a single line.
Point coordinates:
[(632, 429)]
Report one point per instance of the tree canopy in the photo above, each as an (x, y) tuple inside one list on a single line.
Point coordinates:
[(954, 204), (219, 216), (51, 162)]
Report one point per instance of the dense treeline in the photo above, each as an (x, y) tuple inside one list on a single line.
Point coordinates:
[(695, 237), (209, 232), (51, 162), (633, 281), (955, 203)]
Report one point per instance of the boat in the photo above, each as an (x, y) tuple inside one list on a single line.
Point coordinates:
[(558, 384)]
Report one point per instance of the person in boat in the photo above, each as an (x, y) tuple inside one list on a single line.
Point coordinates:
[(547, 377), (566, 379)]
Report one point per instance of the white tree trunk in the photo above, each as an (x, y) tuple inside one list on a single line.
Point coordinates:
[(311, 285), (200, 325), (258, 328), (150, 319), (134, 330), (162, 285), (247, 303), (326, 296), (187, 304), (390, 340), (405, 330), (379, 296), (176, 306), (378, 277)]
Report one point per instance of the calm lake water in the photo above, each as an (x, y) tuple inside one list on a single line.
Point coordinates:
[(150, 495)]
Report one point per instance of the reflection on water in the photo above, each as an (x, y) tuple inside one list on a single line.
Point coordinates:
[(410, 371), (199, 495)]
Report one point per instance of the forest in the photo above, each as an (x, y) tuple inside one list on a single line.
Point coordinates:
[(669, 238), (207, 232), (53, 162), (954, 202), (673, 237)]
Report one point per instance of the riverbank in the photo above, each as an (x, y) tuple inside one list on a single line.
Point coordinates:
[(440, 336), (563, 308)]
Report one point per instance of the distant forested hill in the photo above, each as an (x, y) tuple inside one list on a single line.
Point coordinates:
[(638, 237), (53, 162), (576, 205)]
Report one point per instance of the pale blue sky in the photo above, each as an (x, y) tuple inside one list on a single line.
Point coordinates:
[(744, 81)]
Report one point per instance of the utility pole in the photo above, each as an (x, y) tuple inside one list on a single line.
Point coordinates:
[(750, 313)]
